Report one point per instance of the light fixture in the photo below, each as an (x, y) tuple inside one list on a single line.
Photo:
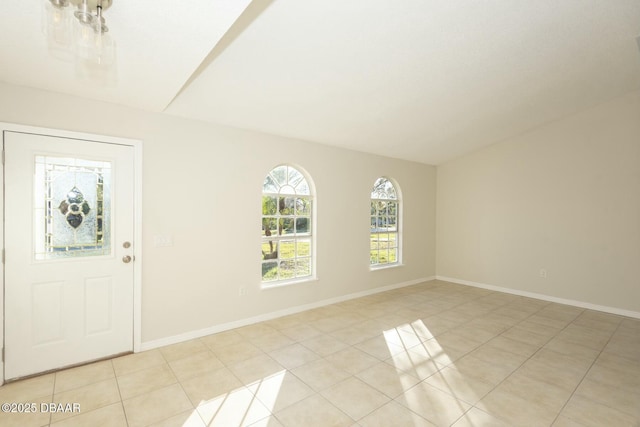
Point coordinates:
[(85, 36), (88, 12)]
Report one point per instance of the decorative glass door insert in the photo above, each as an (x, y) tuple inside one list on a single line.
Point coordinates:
[(72, 207)]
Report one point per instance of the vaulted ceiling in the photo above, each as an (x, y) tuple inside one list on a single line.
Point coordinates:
[(414, 79)]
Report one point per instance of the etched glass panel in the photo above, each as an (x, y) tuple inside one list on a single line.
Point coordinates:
[(72, 207)]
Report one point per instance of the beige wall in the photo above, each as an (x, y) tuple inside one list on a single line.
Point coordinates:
[(564, 197), (202, 186)]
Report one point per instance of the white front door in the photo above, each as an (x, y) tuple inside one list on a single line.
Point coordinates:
[(69, 270)]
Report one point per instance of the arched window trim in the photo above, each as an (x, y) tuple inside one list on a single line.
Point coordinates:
[(385, 249), (288, 226)]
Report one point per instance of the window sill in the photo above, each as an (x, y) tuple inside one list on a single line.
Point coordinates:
[(386, 266), (283, 283)]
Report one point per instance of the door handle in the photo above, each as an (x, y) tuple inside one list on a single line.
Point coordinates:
[(126, 259)]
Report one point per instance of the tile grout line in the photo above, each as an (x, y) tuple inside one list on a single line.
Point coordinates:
[(477, 316), (525, 361), (195, 409), (519, 366), (588, 370), (126, 419), (53, 395)]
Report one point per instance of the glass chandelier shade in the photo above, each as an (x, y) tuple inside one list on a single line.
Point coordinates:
[(76, 29)]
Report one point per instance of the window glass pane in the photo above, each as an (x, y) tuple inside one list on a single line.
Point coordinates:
[(392, 208), (269, 250), (374, 256), (303, 188), (287, 205), (295, 177), (393, 255), (287, 189), (381, 207), (269, 185), (72, 207), (393, 240), (303, 206), (269, 226), (383, 189), (390, 226), (286, 226), (383, 240), (269, 205), (269, 271), (304, 248), (374, 244), (383, 256), (280, 175), (302, 225), (287, 249), (374, 224), (303, 267), (287, 269)]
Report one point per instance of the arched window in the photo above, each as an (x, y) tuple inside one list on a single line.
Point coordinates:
[(385, 224), (287, 227)]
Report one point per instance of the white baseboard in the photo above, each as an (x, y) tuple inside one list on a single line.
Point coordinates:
[(575, 303), (175, 339)]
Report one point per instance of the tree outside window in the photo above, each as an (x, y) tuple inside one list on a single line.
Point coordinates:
[(385, 233), (287, 235)]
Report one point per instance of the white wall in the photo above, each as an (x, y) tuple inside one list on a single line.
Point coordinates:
[(202, 185), (565, 197)]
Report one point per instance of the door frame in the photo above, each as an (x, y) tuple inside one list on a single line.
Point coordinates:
[(137, 206)]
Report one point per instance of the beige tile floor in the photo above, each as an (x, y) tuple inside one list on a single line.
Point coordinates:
[(431, 354)]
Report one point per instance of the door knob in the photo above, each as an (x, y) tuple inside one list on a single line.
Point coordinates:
[(126, 259)]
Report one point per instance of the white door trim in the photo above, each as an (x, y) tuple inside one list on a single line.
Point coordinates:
[(137, 281)]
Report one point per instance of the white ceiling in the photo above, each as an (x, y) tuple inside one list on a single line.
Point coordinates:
[(421, 80)]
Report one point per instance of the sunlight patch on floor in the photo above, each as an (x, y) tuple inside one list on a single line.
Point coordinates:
[(241, 406)]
